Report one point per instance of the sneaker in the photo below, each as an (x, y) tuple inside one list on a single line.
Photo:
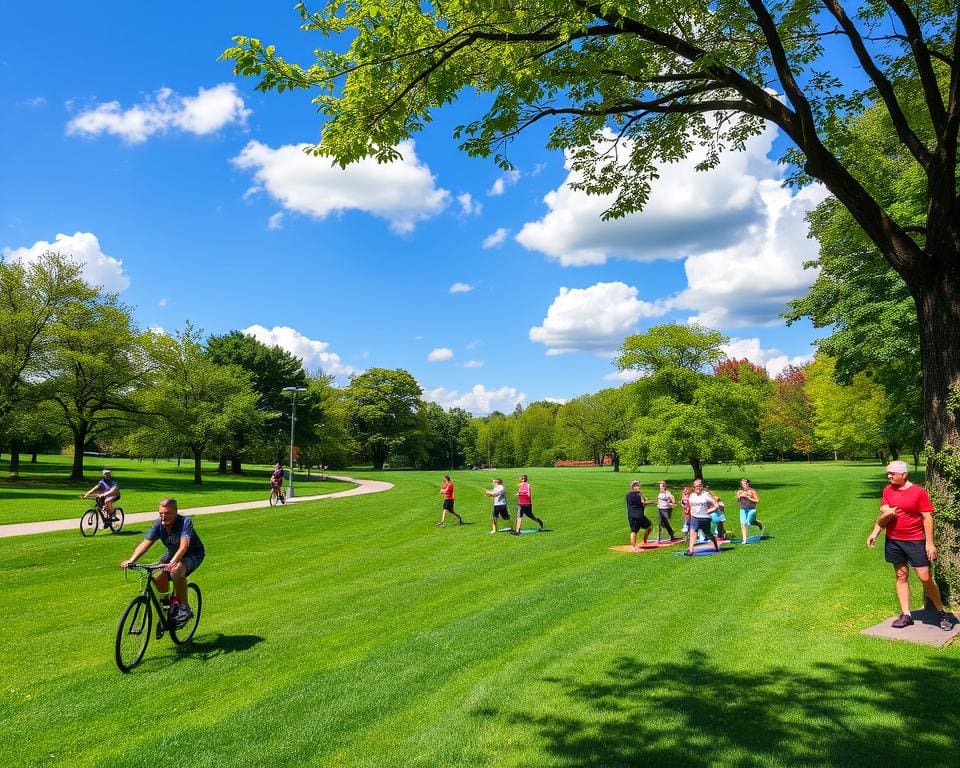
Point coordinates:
[(760, 526), (904, 620), (441, 525), (944, 621), (459, 521), (184, 614)]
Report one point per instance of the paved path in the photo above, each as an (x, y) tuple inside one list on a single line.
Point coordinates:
[(363, 486)]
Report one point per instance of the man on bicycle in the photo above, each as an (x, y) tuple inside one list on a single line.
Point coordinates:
[(276, 481), (108, 490), (184, 554)]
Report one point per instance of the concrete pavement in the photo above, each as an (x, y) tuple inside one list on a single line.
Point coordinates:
[(363, 486)]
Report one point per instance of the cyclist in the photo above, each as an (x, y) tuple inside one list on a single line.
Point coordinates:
[(108, 490), (184, 554), (276, 481)]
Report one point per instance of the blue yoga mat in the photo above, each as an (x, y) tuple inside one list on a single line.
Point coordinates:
[(703, 552)]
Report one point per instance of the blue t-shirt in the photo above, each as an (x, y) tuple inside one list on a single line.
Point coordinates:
[(108, 486), (182, 526)]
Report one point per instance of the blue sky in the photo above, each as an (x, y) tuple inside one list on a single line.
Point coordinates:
[(128, 145)]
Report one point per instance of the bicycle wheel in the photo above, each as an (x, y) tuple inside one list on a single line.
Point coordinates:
[(133, 633), (185, 633), (273, 498), (117, 523), (89, 522)]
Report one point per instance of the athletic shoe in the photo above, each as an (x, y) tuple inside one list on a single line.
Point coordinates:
[(945, 624), (760, 526), (904, 620), (459, 521), (441, 525), (184, 614)]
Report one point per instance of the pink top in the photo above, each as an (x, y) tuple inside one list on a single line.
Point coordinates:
[(912, 503), (524, 495)]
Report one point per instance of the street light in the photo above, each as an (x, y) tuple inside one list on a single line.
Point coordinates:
[(320, 446), (293, 421)]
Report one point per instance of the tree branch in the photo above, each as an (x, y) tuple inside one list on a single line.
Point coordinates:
[(883, 85), (921, 55)]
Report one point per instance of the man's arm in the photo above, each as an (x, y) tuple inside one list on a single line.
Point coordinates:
[(928, 534), (142, 547)]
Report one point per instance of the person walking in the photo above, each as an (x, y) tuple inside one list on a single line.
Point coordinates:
[(701, 507), (525, 504), (636, 518), (748, 498), (906, 514), (499, 494), (446, 488), (665, 505)]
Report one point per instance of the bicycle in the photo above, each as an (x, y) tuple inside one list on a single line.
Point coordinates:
[(136, 622), (97, 516), (276, 496)]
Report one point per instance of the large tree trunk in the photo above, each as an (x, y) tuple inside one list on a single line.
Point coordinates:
[(197, 473), (236, 465), (79, 442), (697, 467), (938, 310), (15, 457)]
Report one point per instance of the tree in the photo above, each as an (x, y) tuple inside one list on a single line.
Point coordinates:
[(448, 435), (593, 425), (848, 418), (33, 296), (684, 414), (95, 363), (383, 411), (632, 86), (196, 404), (787, 424), (271, 369)]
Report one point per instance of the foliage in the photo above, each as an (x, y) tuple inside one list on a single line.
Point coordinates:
[(384, 415), (787, 423), (196, 404), (591, 426), (849, 419)]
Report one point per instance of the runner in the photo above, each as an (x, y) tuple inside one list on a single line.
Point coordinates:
[(701, 505), (446, 488), (525, 504), (665, 505), (748, 499), (499, 495)]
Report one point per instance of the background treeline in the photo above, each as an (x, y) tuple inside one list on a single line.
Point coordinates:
[(77, 374)]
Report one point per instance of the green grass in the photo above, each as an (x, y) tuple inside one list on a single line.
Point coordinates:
[(352, 632), (44, 491)]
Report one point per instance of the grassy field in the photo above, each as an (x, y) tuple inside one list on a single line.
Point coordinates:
[(43, 491), (352, 632)]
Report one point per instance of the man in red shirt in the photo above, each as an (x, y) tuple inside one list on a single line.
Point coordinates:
[(906, 513), (446, 488)]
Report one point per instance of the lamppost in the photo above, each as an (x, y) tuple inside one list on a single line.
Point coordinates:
[(293, 421), (320, 447)]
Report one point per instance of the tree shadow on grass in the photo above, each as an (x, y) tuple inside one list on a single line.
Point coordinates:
[(855, 713), (209, 647)]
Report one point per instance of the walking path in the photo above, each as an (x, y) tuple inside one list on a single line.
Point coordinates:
[(363, 486)]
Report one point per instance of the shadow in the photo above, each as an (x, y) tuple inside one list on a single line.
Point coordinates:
[(210, 646), (852, 713)]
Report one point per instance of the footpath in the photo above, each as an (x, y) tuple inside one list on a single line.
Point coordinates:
[(363, 486)]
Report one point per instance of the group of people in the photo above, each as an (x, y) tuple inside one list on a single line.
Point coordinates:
[(500, 511), (703, 514), (184, 553)]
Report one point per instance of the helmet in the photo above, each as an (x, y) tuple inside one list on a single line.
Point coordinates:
[(106, 473)]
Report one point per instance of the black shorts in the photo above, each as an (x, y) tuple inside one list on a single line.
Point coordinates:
[(638, 523), (911, 552), (448, 505), (501, 511), (525, 510)]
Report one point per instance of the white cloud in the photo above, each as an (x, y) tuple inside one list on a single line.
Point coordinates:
[(439, 355), (275, 221), (630, 374), (207, 112), (750, 282), (461, 288), (772, 359), (163, 302), (468, 205), (314, 354), (478, 400), (473, 364), (743, 237), (501, 184), (403, 192), (594, 319), (83, 247), (495, 239)]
